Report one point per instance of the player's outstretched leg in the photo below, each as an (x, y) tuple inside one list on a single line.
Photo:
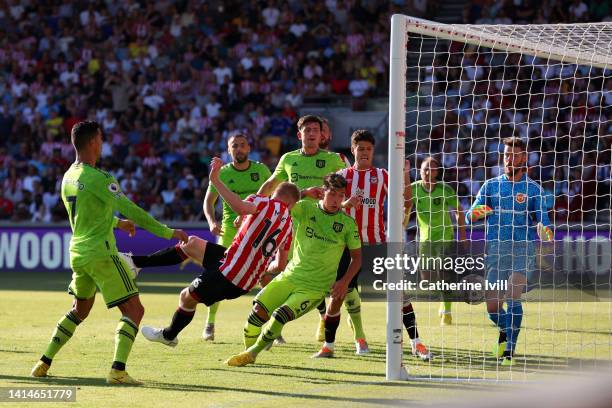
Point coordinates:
[(320, 335), (352, 302), (173, 255), (252, 329), (280, 317), (209, 327), (127, 329), (409, 319), (63, 332), (181, 319)]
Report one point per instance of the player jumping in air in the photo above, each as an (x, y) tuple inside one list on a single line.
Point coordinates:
[(432, 200), (515, 211), (322, 232), (91, 197), (232, 273), (368, 185), (243, 177)]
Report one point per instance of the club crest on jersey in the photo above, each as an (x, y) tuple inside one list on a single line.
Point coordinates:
[(437, 201), (254, 176), (320, 163), (338, 227), (520, 198), (373, 179)]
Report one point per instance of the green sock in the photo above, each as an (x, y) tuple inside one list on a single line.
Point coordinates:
[(124, 338), (252, 329), (447, 306), (63, 332), (272, 331), (212, 313), (352, 302)]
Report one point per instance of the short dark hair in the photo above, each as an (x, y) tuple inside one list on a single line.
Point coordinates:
[(236, 135), (362, 135), (324, 120), (83, 132), (304, 120), (334, 181), (515, 142)]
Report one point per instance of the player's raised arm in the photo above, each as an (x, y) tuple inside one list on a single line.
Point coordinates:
[(275, 179), (209, 210), (240, 207)]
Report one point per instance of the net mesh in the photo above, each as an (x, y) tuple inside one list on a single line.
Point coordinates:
[(547, 85)]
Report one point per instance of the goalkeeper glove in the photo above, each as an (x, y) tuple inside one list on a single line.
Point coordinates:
[(545, 233), (479, 212)]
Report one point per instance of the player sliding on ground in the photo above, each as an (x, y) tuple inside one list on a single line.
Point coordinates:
[(510, 203), (432, 201), (243, 177), (232, 273), (91, 197), (322, 231)]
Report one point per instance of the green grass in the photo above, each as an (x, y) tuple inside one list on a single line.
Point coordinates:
[(558, 339)]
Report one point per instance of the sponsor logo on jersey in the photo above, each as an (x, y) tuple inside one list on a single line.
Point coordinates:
[(338, 227), (520, 198), (311, 233), (254, 176), (294, 177), (368, 201), (320, 163)]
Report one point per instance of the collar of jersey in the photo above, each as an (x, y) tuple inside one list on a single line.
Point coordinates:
[(234, 167), (310, 155), (425, 190), (320, 207)]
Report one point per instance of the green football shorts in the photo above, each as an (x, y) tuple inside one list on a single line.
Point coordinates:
[(280, 292), (111, 275)]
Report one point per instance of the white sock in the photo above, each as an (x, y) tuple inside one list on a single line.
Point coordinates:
[(414, 342), (329, 345)]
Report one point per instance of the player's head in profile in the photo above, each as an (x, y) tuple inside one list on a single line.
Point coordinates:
[(238, 148), (309, 133), (87, 140), (429, 170), (334, 186), (515, 157), (288, 193), (362, 147), (326, 134)]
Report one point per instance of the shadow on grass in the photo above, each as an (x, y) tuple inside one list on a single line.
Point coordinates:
[(199, 388)]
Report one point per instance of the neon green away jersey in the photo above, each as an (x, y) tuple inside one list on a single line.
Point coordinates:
[(432, 211), (320, 239), (91, 197), (243, 183), (307, 170)]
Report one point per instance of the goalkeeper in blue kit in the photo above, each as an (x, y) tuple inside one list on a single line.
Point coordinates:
[(516, 214)]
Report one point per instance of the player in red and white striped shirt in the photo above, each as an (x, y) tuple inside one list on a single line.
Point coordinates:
[(232, 273)]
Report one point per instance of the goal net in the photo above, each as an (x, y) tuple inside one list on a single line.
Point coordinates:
[(456, 91)]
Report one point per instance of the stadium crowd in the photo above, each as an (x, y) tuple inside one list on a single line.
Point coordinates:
[(170, 80)]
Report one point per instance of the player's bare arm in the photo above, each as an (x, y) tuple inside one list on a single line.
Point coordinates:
[(341, 286), (209, 212), (269, 186), (241, 207)]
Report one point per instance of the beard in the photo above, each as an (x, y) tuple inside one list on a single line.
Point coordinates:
[(240, 158), (512, 171)]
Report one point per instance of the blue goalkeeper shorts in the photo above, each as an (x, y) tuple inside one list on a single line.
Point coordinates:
[(503, 258)]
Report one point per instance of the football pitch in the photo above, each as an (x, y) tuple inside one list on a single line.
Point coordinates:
[(559, 338)]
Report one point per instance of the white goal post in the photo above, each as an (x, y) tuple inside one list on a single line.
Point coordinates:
[(588, 44)]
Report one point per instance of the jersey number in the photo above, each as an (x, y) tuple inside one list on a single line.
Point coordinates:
[(269, 245), (72, 201)]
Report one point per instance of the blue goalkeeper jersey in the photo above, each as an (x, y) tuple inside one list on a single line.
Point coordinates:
[(517, 208)]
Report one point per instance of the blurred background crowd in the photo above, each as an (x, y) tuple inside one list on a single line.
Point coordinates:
[(171, 80)]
